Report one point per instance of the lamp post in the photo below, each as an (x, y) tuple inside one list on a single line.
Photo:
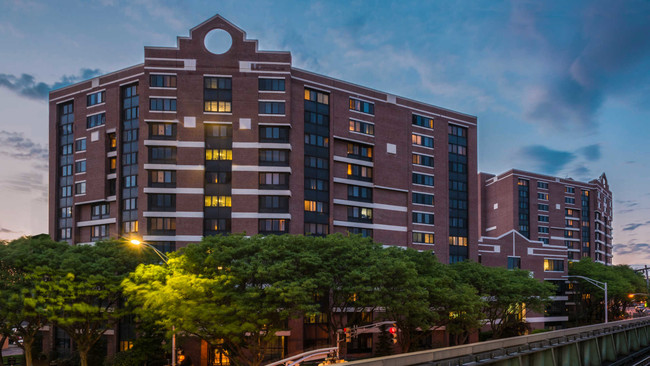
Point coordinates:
[(600, 285), (165, 260)]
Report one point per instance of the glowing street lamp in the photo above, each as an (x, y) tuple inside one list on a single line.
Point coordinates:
[(165, 260)]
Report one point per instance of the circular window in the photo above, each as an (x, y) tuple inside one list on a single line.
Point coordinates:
[(218, 41)]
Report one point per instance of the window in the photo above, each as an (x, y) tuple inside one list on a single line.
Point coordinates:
[(162, 104), (316, 229), (423, 179), (130, 158), (543, 240), (217, 225), (359, 172), (162, 202), (514, 263), (80, 188), (542, 207), (458, 204), (357, 193), (162, 130), (218, 154), (422, 121), (457, 149), (542, 218), (365, 233), (218, 130), (423, 238), (162, 81), (542, 229), (130, 204), (362, 106), (422, 140), (273, 204), (217, 94), (570, 234), (275, 134), (99, 232), (458, 186), (218, 201), (66, 212), (570, 200), (316, 96), (274, 180), (456, 131), (130, 135), (316, 140), (361, 214), (265, 84), (66, 170), (66, 149), (95, 120), (314, 184), (273, 226), (458, 240), (423, 218), (80, 166), (274, 157), (161, 225), (99, 211), (314, 162), (162, 178), (271, 108), (423, 160), (112, 142), (362, 127), (161, 154), (570, 212), (455, 167), (218, 177), (522, 182), (130, 181), (542, 185), (130, 226), (359, 151), (569, 190), (95, 98), (423, 199), (80, 145), (542, 196), (315, 206), (553, 265), (66, 233)]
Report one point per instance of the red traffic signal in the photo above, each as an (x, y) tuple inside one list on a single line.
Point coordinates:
[(392, 330)]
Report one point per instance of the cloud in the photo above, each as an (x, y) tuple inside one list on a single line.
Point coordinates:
[(27, 86), (590, 152), (632, 227), (6, 231), (547, 160), (17, 146), (600, 53), (34, 183), (640, 249)]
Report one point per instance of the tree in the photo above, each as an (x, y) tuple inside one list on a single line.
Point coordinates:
[(228, 290), (508, 295), (24, 263), (82, 291), (621, 281)]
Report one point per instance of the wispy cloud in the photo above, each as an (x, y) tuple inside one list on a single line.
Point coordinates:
[(634, 226), (16, 145), (26, 84), (6, 231), (33, 182), (591, 152), (638, 249)]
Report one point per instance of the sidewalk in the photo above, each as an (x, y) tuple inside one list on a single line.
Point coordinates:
[(12, 350)]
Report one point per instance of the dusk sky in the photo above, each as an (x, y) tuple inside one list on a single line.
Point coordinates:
[(559, 87)]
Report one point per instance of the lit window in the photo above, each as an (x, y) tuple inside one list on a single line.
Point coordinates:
[(218, 154), (218, 201)]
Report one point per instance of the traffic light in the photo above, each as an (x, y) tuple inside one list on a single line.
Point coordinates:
[(393, 331), (348, 335)]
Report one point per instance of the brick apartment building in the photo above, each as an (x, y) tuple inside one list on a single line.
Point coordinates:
[(540, 223), (195, 142)]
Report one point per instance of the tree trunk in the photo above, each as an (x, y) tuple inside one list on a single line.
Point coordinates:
[(27, 348), (83, 356), (2, 343)]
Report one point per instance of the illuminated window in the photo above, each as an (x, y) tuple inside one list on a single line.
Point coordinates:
[(316, 96), (359, 172), (422, 121), (273, 226), (362, 127), (422, 140), (218, 201), (553, 265), (458, 240), (130, 226), (162, 81), (217, 94), (218, 154), (424, 160), (362, 214), (315, 206), (423, 238), (362, 106), (359, 151)]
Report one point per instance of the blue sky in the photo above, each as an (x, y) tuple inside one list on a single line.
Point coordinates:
[(559, 87)]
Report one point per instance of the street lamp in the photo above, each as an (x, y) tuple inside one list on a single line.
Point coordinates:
[(600, 285), (165, 260)]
